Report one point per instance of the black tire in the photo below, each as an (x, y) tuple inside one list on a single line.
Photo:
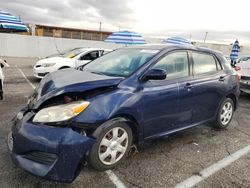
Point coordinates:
[(218, 122), (1, 95), (93, 157)]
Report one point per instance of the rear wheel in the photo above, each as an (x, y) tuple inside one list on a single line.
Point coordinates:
[(111, 147), (225, 114)]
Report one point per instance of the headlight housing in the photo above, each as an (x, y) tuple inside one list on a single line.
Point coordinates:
[(48, 64), (61, 112)]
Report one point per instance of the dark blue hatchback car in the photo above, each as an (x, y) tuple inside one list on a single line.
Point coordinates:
[(128, 96)]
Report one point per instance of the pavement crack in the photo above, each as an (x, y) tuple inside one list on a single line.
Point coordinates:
[(128, 181), (190, 162), (245, 107), (244, 132)]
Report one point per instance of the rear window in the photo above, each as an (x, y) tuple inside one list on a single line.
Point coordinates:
[(226, 64), (204, 63)]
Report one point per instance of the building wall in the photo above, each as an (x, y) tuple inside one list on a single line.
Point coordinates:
[(14, 45), (72, 33)]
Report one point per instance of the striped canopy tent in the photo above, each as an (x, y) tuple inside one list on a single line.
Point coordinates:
[(125, 37), (235, 51), (176, 40), (9, 23)]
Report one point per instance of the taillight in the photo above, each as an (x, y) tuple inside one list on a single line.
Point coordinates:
[(238, 75), (237, 68)]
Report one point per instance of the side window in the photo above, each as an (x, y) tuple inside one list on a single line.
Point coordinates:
[(90, 56), (101, 52), (203, 63), (176, 65)]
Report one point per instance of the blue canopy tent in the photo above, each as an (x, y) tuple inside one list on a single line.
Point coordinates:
[(125, 37), (9, 23), (176, 40)]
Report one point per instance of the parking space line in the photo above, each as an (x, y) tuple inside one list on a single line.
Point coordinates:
[(205, 173), (116, 181), (29, 82)]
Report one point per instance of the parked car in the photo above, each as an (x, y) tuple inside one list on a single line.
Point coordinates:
[(3, 63), (244, 70), (243, 58), (131, 95), (74, 58)]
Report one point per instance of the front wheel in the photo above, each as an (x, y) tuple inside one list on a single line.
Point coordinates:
[(225, 114), (111, 147)]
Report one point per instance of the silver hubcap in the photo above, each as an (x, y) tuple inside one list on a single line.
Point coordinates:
[(226, 113), (113, 146), (10, 141)]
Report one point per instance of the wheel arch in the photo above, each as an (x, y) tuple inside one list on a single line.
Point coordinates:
[(233, 97), (126, 118), (64, 67)]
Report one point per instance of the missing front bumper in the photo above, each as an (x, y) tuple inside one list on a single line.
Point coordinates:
[(52, 153)]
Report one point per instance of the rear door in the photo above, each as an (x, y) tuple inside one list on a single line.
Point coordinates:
[(208, 86)]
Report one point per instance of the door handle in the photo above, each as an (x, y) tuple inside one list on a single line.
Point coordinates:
[(222, 78), (188, 86)]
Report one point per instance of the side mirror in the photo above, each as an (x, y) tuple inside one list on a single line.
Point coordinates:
[(2, 65), (155, 74)]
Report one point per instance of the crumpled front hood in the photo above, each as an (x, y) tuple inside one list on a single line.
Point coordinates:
[(71, 80)]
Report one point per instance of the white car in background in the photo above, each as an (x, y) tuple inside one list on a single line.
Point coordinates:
[(243, 59), (244, 69), (71, 59), (3, 64)]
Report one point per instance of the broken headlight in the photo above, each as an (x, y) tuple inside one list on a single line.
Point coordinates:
[(61, 112)]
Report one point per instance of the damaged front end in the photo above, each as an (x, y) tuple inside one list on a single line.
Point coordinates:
[(51, 152), (48, 139)]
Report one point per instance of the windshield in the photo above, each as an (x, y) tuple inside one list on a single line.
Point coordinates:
[(73, 53), (121, 62)]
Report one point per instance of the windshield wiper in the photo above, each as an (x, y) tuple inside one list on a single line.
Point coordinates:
[(100, 73)]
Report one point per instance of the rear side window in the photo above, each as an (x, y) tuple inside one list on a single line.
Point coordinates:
[(203, 63), (90, 56), (176, 65)]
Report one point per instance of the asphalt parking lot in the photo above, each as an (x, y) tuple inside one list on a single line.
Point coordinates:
[(161, 163)]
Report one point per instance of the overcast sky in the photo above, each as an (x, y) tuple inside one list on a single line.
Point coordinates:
[(224, 20)]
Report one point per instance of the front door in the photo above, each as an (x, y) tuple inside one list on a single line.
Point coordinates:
[(161, 98)]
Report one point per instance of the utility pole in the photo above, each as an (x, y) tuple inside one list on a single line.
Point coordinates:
[(205, 38), (100, 28)]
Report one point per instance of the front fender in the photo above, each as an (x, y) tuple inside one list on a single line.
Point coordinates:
[(111, 104)]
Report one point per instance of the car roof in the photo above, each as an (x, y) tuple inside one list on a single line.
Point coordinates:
[(91, 49), (173, 47)]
